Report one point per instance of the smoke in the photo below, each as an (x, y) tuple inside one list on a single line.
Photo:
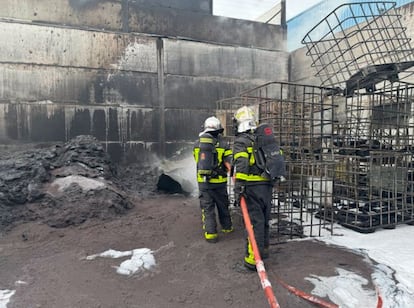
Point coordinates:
[(183, 171), (82, 4)]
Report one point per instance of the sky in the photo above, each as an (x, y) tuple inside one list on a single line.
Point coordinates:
[(295, 7), (251, 9)]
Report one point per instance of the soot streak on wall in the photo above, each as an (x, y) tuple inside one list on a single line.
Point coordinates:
[(69, 68)]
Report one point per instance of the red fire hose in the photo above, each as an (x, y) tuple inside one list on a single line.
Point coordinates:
[(379, 301), (261, 271), (309, 297)]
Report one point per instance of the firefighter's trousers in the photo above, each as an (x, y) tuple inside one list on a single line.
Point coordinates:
[(259, 202), (210, 199)]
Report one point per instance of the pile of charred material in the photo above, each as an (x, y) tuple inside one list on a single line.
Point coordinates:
[(63, 185)]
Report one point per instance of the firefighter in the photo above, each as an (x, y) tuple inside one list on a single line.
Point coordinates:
[(213, 159), (250, 182)]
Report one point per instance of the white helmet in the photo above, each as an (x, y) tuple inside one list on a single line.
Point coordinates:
[(245, 118), (212, 124)]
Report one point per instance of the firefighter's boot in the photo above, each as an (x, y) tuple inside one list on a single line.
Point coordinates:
[(211, 237)]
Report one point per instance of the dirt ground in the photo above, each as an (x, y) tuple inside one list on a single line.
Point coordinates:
[(61, 204), (48, 268)]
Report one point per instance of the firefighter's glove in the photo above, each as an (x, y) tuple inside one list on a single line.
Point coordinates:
[(214, 174), (222, 172), (239, 190)]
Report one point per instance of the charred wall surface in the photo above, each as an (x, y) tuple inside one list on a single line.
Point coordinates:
[(141, 76)]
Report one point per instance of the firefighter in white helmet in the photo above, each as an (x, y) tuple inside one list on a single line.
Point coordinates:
[(250, 183), (213, 159)]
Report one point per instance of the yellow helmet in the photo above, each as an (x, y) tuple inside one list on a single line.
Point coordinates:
[(246, 119)]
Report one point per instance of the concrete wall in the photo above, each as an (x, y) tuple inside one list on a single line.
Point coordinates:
[(100, 14), (195, 6), (301, 70), (74, 71), (206, 28), (191, 19)]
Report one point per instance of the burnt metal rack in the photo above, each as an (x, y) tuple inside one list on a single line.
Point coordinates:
[(361, 49), (302, 118), (349, 159), (359, 45), (374, 148), (349, 143)]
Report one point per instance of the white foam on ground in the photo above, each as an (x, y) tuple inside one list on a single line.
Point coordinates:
[(346, 289), (5, 296), (392, 250), (142, 259)]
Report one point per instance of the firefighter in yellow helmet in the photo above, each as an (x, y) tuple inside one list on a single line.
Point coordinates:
[(213, 159), (250, 182)]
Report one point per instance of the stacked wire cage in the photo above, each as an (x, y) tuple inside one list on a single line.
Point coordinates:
[(302, 119), (374, 152), (361, 50)]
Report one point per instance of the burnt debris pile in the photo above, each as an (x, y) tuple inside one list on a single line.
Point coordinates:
[(63, 185)]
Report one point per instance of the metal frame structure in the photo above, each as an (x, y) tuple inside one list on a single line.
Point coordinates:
[(302, 118), (349, 159), (359, 45), (374, 148), (348, 144), (362, 50)]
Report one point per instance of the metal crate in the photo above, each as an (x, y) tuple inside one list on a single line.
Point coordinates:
[(373, 148), (302, 118), (358, 45)]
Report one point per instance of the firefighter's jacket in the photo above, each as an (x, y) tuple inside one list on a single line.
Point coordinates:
[(246, 171), (224, 157)]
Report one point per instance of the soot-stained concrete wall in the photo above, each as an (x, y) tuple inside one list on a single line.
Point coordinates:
[(69, 68), (206, 27), (191, 19)]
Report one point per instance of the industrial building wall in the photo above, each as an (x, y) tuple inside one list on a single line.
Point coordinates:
[(118, 71), (301, 70)]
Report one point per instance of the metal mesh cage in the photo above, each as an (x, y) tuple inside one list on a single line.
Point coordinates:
[(373, 146), (349, 147), (358, 45), (302, 118), (349, 158)]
